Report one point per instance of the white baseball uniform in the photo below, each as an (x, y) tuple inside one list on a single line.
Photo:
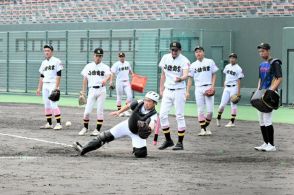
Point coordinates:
[(201, 72), (49, 69), (233, 74), (122, 130), (95, 74), (174, 92), (123, 86)]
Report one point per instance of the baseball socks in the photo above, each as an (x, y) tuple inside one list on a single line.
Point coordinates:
[(58, 118), (98, 127), (265, 138), (99, 124), (233, 117), (86, 123), (49, 119), (179, 145), (219, 117)]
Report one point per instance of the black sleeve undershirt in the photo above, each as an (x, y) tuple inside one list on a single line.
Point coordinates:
[(277, 69), (59, 73)]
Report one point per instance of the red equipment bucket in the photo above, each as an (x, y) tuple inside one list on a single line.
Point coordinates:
[(138, 83)]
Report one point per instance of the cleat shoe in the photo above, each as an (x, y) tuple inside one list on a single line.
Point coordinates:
[(83, 131), (208, 132), (47, 126), (269, 148), (230, 124), (178, 146), (261, 147), (166, 144), (78, 147), (218, 123), (58, 126), (202, 132), (121, 114), (95, 132)]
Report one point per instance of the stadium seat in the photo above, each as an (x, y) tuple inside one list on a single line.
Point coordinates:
[(58, 11)]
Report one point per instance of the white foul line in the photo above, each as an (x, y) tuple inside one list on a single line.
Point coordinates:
[(36, 139)]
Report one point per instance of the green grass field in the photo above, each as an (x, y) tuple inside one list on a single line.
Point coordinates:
[(283, 115)]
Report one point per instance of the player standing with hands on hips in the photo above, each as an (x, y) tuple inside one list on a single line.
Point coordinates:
[(121, 69), (49, 81), (95, 74), (270, 78), (232, 87), (172, 89), (203, 71)]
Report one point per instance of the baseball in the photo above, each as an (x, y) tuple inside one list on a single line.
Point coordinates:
[(68, 124)]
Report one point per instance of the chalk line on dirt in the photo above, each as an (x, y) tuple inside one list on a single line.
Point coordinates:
[(36, 139)]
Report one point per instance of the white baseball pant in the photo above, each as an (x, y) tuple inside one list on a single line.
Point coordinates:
[(122, 130), (172, 98), (50, 106), (94, 95), (123, 87), (226, 97), (203, 101), (265, 119)]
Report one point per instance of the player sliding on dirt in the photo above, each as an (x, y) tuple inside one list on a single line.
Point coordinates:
[(138, 127)]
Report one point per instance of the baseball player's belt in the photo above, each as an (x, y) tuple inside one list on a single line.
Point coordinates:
[(230, 85), (96, 87), (175, 89), (205, 85)]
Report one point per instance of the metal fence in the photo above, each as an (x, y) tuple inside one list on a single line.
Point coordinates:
[(21, 53)]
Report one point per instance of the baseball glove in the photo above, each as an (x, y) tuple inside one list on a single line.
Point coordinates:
[(55, 95), (82, 99), (271, 99), (143, 129), (209, 92), (235, 99), (111, 87)]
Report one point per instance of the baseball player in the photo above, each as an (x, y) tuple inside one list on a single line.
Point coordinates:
[(50, 76), (121, 69), (143, 112), (95, 74), (270, 76), (203, 70), (172, 89), (232, 86)]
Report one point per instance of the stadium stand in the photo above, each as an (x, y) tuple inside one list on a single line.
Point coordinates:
[(63, 11)]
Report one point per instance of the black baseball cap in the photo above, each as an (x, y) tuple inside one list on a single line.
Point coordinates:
[(264, 46), (49, 47), (233, 55), (121, 54), (98, 51), (198, 48), (175, 45)]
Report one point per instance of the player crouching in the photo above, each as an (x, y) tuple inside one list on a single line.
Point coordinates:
[(138, 127)]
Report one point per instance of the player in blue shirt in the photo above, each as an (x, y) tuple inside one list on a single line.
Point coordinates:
[(270, 77)]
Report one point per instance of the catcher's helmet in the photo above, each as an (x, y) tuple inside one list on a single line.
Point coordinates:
[(153, 96)]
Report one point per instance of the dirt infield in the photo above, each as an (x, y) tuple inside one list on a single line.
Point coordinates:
[(224, 163)]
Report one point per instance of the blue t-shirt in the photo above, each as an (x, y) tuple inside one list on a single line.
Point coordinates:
[(274, 71), (264, 70)]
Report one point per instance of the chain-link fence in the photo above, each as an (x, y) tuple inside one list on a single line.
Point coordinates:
[(21, 53)]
